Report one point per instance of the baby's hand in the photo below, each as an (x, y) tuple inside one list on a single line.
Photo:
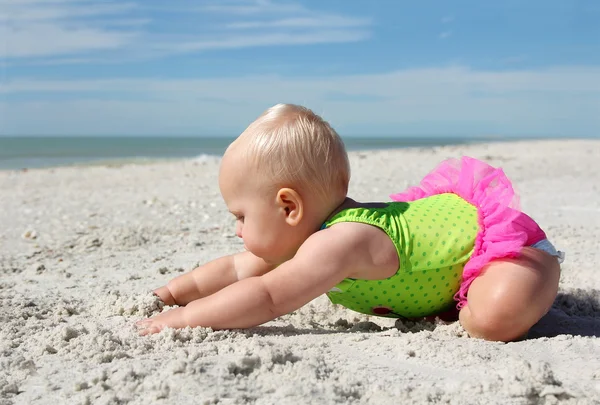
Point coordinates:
[(173, 318), (165, 295)]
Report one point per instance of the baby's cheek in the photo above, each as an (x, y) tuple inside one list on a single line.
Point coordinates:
[(257, 243), (248, 238)]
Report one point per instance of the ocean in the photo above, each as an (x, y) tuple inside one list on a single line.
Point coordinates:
[(40, 152)]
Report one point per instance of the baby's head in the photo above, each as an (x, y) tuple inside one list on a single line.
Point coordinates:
[(289, 166)]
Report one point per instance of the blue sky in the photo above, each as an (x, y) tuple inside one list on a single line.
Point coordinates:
[(370, 67)]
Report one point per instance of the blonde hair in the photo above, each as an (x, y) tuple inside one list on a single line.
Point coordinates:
[(297, 148)]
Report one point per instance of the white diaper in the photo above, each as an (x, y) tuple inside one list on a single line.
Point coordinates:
[(548, 247)]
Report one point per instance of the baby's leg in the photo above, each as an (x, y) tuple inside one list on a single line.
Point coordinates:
[(511, 295)]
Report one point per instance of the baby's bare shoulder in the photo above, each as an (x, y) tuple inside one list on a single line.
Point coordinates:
[(367, 249)]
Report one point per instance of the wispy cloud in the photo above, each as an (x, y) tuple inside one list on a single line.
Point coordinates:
[(20, 12), (447, 21), (248, 7), (412, 101), (233, 42), (311, 22), (53, 40), (401, 84), (132, 22), (57, 28), (275, 23), (78, 31), (514, 59)]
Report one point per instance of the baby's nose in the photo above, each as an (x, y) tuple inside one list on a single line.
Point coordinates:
[(238, 231)]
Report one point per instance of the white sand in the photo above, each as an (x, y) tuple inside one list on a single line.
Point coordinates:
[(81, 247)]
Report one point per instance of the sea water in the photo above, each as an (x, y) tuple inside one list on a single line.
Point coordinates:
[(37, 152)]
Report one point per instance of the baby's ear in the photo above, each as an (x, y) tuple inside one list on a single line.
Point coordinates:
[(291, 205)]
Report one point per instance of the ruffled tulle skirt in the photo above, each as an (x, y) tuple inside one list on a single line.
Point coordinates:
[(503, 229)]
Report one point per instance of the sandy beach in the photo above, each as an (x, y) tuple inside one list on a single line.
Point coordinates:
[(82, 247)]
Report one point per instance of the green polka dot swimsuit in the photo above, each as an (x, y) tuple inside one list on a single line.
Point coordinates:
[(434, 238)]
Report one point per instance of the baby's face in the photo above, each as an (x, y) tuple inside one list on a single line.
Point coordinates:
[(260, 221)]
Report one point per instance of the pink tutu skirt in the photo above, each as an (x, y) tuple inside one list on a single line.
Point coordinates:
[(503, 229)]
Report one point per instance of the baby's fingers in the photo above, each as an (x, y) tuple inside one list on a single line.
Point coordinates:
[(149, 331), (147, 327)]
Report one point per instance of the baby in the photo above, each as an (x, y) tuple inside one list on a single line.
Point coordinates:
[(455, 241)]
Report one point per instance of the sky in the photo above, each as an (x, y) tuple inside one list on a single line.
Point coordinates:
[(369, 67)]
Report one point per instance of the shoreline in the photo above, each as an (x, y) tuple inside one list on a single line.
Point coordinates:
[(145, 160), (111, 163)]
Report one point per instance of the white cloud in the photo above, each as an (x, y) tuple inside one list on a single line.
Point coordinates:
[(397, 84), (53, 40), (249, 7), (38, 2), (131, 22), (16, 12), (447, 33), (455, 100), (281, 23), (233, 42), (55, 32), (514, 59), (57, 28), (320, 22)]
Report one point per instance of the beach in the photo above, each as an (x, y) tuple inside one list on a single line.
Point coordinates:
[(81, 248)]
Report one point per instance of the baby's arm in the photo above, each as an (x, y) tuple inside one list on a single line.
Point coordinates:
[(211, 277), (324, 260)]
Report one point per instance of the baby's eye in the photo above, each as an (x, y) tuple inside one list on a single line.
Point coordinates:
[(240, 218)]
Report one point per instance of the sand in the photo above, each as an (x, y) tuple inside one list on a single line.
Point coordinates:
[(81, 248)]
